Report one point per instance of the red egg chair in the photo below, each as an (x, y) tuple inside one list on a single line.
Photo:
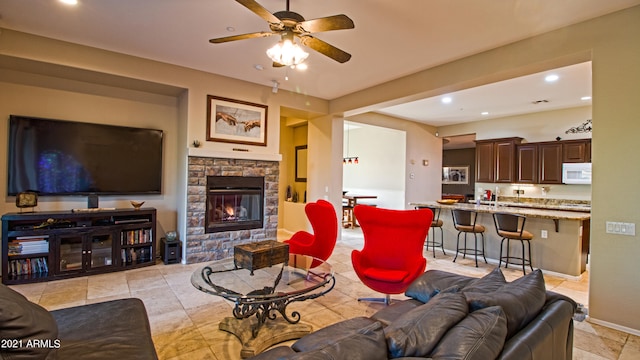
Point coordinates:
[(392, 256), (320, 244)]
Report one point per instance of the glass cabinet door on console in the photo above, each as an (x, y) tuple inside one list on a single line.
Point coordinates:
[(70, 253), (84, 252), (101, 251)]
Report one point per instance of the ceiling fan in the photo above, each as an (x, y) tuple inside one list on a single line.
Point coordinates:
[(290, 25)]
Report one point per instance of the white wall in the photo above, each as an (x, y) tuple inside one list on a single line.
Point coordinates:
[(380, 170), (421, 145)]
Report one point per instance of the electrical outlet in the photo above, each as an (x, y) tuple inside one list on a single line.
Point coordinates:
[(544, 234), (518, 192)]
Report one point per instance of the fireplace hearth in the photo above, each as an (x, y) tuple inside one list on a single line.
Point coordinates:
[(234, 203)]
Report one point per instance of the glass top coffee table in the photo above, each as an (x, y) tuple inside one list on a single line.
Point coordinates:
[(265, 294)]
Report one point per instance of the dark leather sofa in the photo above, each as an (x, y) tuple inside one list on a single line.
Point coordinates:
[(117, 329), (450, 316)]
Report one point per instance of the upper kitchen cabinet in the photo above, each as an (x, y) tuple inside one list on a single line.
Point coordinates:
[(576, 151), (550, 163), (485, 161), (496, 160), (527, 160)]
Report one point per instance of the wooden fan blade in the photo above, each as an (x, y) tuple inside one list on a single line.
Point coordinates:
[(277, 64), (325, 48), (241, 37), (335, 22), (259, 10)]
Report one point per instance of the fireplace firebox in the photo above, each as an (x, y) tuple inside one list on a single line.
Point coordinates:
[(234, 203)]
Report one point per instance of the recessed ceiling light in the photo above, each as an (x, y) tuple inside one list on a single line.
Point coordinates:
[(446, 100), (551, 78), (231, 29), (258, 67), (484, 113), (69, 2), (585, 98)]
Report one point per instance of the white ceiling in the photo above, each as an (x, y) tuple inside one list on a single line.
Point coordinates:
[(391, 39)]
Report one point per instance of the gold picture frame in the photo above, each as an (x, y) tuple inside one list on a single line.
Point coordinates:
[(236, 121)]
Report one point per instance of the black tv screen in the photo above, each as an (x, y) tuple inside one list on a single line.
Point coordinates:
[(57, 157)]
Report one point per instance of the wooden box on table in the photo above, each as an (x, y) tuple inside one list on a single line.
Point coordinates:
[(261, 254)]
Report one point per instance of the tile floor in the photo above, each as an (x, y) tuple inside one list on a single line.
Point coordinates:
[(184, 321)]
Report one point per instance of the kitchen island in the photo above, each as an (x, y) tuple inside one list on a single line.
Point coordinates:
[(563, 252)]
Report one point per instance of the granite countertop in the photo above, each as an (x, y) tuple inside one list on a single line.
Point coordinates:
[(510, 208), (566, 206)]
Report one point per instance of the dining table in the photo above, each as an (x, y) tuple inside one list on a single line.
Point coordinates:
[(349, 221)]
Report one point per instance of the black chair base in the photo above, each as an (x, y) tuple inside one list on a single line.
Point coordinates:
[(433, 243), (520, 261), (470, 251)]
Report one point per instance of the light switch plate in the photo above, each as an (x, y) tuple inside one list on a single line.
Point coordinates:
[(621, 228)]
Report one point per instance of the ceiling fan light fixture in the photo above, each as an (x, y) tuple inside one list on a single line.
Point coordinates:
[(287, 53)]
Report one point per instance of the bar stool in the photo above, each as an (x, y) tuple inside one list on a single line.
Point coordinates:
[(465, 222), (435, 224), (511, 227)]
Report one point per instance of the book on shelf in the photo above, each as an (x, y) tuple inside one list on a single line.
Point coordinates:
[(37, 265), (28, 246), (132, 237)]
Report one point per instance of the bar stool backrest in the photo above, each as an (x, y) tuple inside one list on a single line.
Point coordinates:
[(464, 217), (509, 222)]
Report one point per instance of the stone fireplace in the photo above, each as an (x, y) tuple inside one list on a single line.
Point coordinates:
[(234, 203), (224, 207)]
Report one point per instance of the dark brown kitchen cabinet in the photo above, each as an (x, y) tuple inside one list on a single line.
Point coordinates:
[(550, 163), (496, 160), (576, 151), (485, 162), (527, 160)]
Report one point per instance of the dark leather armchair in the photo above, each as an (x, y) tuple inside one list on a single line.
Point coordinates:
[(393, 243), (320, 244)]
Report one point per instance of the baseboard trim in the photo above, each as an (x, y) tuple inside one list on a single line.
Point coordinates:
[(628, 330)]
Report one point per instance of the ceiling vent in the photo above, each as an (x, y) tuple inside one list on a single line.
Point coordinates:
[(536, 102)]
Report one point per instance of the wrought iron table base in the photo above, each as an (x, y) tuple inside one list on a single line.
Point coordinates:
[(271, 333)]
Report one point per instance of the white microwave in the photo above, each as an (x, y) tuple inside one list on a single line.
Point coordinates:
[(576, 173)]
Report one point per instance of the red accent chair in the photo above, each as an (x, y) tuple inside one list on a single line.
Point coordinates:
[(320, 244), (392, 256)]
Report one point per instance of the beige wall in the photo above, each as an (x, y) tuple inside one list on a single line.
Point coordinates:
[(611, 43), (63, 80), (157, 112)]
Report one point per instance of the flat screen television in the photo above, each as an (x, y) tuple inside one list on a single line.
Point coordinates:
[(58, 157)]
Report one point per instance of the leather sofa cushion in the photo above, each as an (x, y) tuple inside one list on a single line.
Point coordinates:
[(22, 320), (278, 352), (481, 335), (329, 334), (417, 332), (486, 284), (366, 343), (388, 314), (432, 282), (117, 329), (521, 300)]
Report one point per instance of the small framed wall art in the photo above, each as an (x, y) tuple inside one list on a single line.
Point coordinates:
[(236, 121), (27, 199), (455, 175)]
